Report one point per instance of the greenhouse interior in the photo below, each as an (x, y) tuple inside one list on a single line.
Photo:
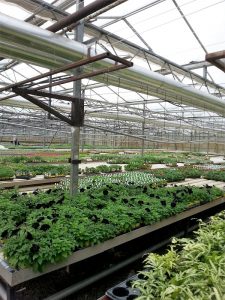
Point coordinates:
[(112, 149)]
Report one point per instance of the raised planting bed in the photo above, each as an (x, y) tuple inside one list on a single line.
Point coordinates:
[(215, 175), (14, 276), (48, 227), (170, 175), (41, 169), (191, 269), (102, 169), (130, 178), (27, 177), (6, 178), (210, 167), (32, 182), (40, 157), (137, 160), (177, 174)]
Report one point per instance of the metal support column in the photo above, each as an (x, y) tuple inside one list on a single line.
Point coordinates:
[(10, 293), (83, 139), (143, 129), (50, 98), (75, 111)]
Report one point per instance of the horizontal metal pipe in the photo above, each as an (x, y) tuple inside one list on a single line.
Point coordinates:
[(58, 70), (82, 76), (80, 14), (52, 95), (42, 105), (96, 14), (136, 78), (33, 127)]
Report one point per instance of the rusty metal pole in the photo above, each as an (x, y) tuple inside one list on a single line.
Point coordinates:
[(80, 14), (75, 113)]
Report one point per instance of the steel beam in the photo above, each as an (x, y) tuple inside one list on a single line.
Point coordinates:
[(42, 105), (77, 113), (52, 95), (85, 75), (74, 65)]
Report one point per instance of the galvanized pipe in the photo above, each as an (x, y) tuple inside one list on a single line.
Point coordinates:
[(14, 32)]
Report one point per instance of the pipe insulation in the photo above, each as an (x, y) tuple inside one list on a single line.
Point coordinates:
[(59, 50)]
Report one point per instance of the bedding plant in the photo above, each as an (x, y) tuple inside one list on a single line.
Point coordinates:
[(6, 173), (46, 227)]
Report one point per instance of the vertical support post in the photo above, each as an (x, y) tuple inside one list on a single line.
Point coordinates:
[(83, 138), (10, 293), (50, 99), (76, 113), (191, 139), (143, 130), (94, 137), (205, 72), (208, 144)]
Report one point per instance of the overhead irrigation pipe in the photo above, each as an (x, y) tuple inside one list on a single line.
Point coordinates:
[(44, 48), (80, 14)]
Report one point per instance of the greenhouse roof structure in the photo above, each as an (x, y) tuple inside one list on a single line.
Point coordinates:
[(153, 80)]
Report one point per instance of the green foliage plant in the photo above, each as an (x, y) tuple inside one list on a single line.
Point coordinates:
[(192, 269)]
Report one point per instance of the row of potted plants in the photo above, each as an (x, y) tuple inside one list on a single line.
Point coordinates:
[(215, 175), (211, 167), (47, 158), (46, 227), (6, 173), (193, 269), (27, 172), (151, 158), (101, 169), (177, 174)]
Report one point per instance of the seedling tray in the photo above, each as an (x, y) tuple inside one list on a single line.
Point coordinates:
[(124, 290)]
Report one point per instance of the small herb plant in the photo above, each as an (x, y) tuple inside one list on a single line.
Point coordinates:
[(193, 269)]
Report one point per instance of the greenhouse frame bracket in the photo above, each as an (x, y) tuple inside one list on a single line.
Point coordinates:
[(25, 94), (120, 63)]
